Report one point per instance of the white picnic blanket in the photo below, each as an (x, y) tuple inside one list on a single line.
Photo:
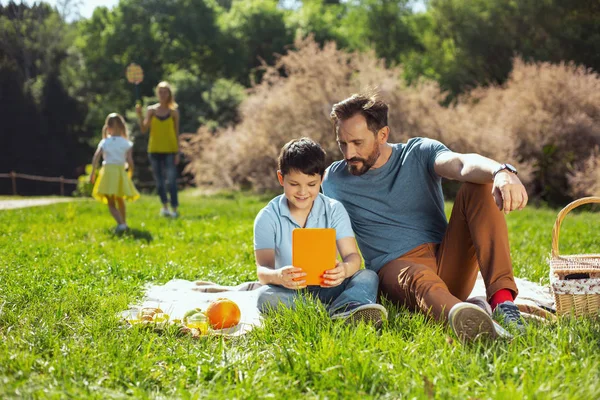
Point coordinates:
[(178, 296)]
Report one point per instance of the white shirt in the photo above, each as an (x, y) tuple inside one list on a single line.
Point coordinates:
[(114, 149)]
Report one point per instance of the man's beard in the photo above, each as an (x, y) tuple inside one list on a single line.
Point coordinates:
[(366, 163)]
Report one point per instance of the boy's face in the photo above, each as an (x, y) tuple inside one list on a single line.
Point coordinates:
[(300, 189)]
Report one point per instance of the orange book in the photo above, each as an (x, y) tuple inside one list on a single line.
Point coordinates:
[(315, 251)]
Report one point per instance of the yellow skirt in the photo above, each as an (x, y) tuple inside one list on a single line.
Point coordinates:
[(114, 181)]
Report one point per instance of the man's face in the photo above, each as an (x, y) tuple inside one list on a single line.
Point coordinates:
[(358, 144), (300, 189)]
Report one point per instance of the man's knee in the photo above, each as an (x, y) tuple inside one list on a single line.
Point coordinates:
[(476, 191)]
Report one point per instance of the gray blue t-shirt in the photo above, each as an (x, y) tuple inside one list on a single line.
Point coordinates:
[(274, 224), (394, 208)]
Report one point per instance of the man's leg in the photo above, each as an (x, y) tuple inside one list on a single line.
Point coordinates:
[(411, 281), (476, 239)]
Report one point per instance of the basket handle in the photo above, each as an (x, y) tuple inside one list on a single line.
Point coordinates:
[(562, 214)]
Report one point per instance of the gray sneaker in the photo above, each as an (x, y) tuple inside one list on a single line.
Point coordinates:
[(470, 322), (508, 314), (373, 314), (121, 228)]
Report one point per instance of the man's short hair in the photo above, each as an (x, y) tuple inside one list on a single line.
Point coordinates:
[(303, 155), (368, 105)]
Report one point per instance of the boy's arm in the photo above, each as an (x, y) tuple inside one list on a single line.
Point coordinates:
[(268, 275), (349, 266)]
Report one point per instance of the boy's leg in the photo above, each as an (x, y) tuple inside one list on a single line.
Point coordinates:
[(476, 239), (113, 209), (121, 207), (355, 300), (272, 297), (171, 170), (359, 289), (157, 161)]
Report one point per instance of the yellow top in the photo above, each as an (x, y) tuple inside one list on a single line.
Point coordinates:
[(163, 138)]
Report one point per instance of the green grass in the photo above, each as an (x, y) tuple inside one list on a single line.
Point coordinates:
[(64, 277)]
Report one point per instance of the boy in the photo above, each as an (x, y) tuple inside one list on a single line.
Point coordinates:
[(348, 292)]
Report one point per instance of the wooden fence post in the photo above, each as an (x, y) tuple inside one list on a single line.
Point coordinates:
[(13, 175), (62, 185)]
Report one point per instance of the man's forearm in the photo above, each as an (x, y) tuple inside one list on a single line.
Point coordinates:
[(477, 169)]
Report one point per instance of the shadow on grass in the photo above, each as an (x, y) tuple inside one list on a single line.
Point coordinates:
[(134, 233)]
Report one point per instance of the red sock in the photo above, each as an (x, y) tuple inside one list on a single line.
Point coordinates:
[(501, 296)]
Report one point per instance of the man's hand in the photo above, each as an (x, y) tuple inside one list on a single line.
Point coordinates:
[(509, 192), (291, 277), (334, 277)]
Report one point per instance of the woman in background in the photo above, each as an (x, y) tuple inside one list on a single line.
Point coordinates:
[(162, 120)]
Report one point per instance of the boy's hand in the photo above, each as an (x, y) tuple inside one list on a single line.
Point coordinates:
[(291, 277), (335, 277)]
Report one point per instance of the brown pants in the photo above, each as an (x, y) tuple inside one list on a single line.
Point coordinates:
[(434, 277)]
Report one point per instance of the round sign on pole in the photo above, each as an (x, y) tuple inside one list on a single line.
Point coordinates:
[(135, 74)]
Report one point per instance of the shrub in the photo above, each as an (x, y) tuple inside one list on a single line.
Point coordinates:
[(84, 187), (545, 119)]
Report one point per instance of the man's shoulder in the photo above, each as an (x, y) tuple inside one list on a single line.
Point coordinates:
[(335, 170), (422, 142), (330, 204)]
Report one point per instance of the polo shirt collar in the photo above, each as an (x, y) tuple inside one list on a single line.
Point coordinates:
[(314, 214)]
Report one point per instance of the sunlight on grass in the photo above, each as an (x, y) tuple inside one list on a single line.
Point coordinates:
[(65, 276)]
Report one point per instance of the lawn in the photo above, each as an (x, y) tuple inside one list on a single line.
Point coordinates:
[(64, 277)]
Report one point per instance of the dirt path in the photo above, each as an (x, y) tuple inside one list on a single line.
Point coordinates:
[(12, 204)]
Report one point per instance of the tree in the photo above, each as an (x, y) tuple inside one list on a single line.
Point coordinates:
[(471, 42), (43, 128), (254, 32)]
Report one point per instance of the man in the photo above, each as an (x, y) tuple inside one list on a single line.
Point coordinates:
[(393, 195)]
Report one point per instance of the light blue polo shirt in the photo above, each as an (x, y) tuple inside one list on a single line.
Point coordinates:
[(274, 224)]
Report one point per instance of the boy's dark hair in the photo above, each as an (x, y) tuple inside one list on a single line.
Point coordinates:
[(367, 104), (302, 155)]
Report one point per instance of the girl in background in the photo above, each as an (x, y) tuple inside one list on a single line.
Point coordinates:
[(114, 185), (162, 119)]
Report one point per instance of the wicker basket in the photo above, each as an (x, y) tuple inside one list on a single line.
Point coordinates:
[(575, 279)]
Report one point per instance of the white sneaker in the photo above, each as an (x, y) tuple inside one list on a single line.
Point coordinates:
[(164, 212), (174, 214), (470, 322), (121, 228)]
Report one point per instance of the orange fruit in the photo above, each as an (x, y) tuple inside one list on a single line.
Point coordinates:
[(223, 313)]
